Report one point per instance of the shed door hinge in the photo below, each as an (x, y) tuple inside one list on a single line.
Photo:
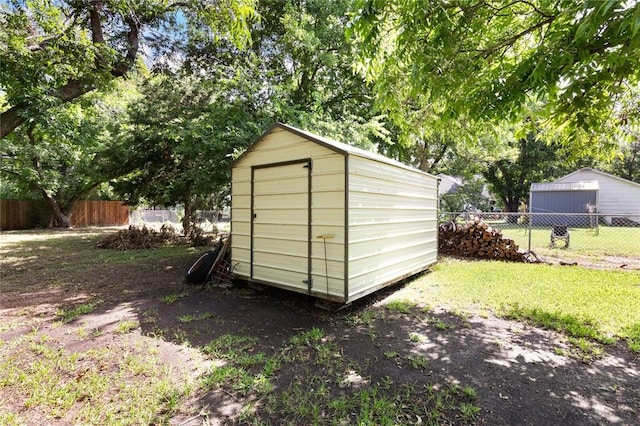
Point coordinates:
[(309, 283), (308, 166)]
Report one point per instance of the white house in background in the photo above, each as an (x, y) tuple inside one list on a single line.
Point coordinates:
[(449, 183), (617, 197)]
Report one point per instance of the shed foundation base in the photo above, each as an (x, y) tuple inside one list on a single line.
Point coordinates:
[(331, 306)]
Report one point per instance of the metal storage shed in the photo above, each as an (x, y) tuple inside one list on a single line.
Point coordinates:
[(566, 197), (316, 216), (618, 198)]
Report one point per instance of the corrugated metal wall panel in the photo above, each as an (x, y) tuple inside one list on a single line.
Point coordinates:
[(288, 245), (242, 201), (242, 261), (242, 228), (561, 202), (328, 224), (242, 213), (329, 163), (366, 232), (292, 200), (330, 200), (297, 151), (392, 223), (267, 230), (335, 249), (390, 203), (372, 267), (333, 183), (284, 277), (281, 141), (328, 220), (283, 195), (327, 217), (386, 172), (364, 216), (280, 187), (242, 187), (240, 220), (363, 183), (389, 242), (335, 274), (385, 271)]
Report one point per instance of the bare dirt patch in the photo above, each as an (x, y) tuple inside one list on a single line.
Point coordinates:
[(519, 373), (604, 262)]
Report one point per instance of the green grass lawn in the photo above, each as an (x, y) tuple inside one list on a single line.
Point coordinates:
[(604, 240), (606, 302)]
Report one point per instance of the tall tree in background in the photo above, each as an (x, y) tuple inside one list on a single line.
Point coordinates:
[(66, 154), (56, 51), (626, 162), (317, 88), (196, 118), (487, 60), (185, 132), (527, 160)]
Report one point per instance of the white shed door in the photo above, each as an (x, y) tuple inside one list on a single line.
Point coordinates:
[(280, 241)]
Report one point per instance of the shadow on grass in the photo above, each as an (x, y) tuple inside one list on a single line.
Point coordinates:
[(431, 365), (272, 357)]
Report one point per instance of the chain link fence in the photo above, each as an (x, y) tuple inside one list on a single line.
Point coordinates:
[(612, 239), (207, 220)]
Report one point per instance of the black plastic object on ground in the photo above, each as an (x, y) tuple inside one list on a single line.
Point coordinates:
[(200, 269)]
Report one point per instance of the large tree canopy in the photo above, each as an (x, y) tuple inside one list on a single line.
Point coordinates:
[(525, 161), (55, 51), (184, 133), (300, 57), (64, 156), (490, 59), (195, 119), (626, 162)]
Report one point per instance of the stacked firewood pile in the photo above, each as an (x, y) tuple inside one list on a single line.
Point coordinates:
[(479, 240)]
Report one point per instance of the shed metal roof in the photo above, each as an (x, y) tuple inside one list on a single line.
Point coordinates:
[(333, 145), (590, 185), (577, 174)]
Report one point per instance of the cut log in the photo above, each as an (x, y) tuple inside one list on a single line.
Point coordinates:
[(477, 239)]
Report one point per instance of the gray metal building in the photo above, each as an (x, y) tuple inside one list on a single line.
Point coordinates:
[(618, 198), (548, 199)]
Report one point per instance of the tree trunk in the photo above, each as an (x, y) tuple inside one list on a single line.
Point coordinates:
[(512, 210), (59, 218), (10, 120), (187, 220)]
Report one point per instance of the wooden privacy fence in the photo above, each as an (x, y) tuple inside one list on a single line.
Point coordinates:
[(99, 213), (16, 214)]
